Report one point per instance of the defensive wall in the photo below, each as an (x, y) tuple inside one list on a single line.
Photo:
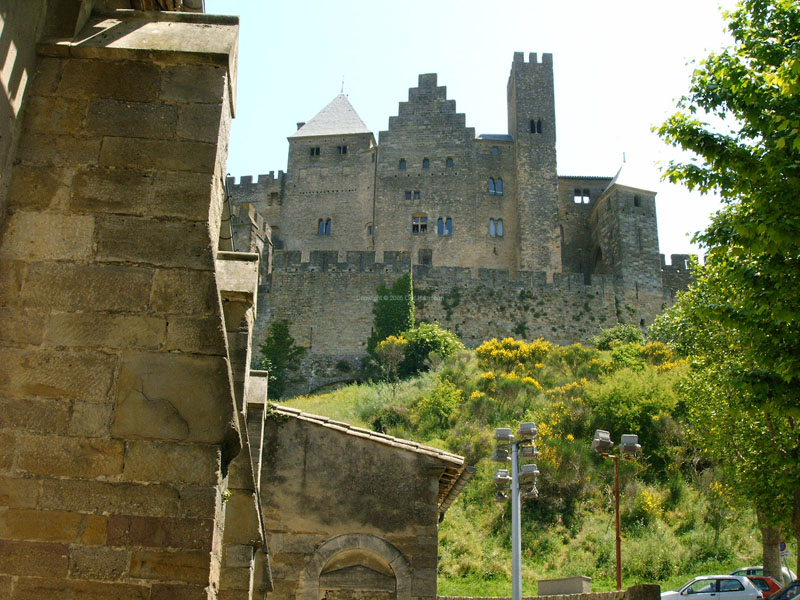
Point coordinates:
[(328, 299)]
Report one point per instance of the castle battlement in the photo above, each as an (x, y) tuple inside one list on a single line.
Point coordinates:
[(533, 58), (246, 181)]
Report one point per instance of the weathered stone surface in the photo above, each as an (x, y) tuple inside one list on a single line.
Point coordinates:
[(162, 243), (189, 567), (103, 497), (12, 275), (199, 122), (152, 400), (83, 376), (90, 419), (178, 291), (153, 532), (167, 155), (106, 190), (53, 526), (105, 330), (19, 326), (100, 563), (178, 592), (68, 456), (199, 502), (133, 119), (39, 187), (29, 588), (58, 150), (55, 115), (200, 335), (40, 235), (35, 414), (200, 84), (33, 558), (72, 287), (16, 491), (122, 80), (166, 462), (5, 587)]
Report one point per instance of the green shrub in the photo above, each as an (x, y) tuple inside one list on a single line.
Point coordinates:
[(432, 413), (423, 340), (280, 355), (621, 332)]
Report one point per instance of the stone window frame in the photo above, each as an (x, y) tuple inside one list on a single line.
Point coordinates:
[(444, 226), (582, 196), (536, 126), (449, 163), (417, 194), (314, 150), (407, 195), (498, 186), (495, 151), (492, 190), (426, 163), (401, 165), (342, 150), (496, 228), (419, 223), (324, 226)]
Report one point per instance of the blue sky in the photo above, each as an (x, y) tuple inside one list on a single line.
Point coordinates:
[(620, 66)]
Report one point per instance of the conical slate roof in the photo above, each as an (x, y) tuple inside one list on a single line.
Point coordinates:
[(338, 118), (635, 176)]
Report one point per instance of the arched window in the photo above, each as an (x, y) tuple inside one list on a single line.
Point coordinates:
[(419, 223), (499, 187), (449, 162), (539, 126), (320, 227), (492, 230), (533, 126), (402, 164), (499, 227), (440, 226), (491, 185), (328, 227), (448, 226), (426, 164)]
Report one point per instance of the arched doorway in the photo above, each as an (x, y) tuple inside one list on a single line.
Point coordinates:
[(356, 567)]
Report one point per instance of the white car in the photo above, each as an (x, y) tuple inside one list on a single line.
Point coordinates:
[(716, 587), (788, 574)]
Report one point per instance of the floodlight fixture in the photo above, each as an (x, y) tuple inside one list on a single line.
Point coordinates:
[(500, 455), (528, 431), (629, 445), (503, 435), (502, 478), (602, 443), (528, 472), (529, 452), (531, 492)]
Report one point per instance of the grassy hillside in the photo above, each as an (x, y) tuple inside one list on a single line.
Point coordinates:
[(677, 518)]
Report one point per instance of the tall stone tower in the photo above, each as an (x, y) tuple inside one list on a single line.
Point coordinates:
[(532, 124)]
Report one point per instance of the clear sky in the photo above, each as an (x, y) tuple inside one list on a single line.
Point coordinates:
[(619, 65)]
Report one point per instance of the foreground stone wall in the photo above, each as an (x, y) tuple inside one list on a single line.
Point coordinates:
[(118, 391)]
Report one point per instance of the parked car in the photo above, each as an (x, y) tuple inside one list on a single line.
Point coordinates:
[(767, 585), (716, 587), (790, 592), (788, 574)]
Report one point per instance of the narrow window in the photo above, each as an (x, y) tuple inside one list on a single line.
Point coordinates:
[(449, 162), (402, 164), (440, 226), (314, 150), (419, 223), (499, 227), (408, 194), (586, 197), (341, 149), (577, 197), (492, 230), (539, 126), (426, 164), (499, 187), (492, 189), (328, 227), (448, 226), (320, 227), (533, 126), (636, 201), (495, 150), (373, 157), (416, 195), (369, 228)]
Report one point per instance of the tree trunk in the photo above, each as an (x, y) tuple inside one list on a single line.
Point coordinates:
[(770, 542)]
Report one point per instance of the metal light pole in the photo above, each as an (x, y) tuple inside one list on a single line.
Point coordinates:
[(525, 474), (630, 448)]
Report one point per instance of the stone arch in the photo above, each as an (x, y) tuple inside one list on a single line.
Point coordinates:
[(309, 579)]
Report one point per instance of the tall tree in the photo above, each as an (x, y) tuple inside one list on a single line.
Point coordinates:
[(741, 122), (393, 310)]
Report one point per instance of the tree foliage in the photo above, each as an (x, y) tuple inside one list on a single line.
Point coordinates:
[(424, 340), (280, 355), (394, 310), (621, 332), (740, 320)]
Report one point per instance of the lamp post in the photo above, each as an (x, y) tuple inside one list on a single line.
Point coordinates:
[(629, 448), (520, 482)]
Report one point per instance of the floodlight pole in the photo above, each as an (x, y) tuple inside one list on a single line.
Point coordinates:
[(616, 510), (516, 527)]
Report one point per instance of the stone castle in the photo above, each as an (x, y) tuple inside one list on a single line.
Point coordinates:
[(498, 242)]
